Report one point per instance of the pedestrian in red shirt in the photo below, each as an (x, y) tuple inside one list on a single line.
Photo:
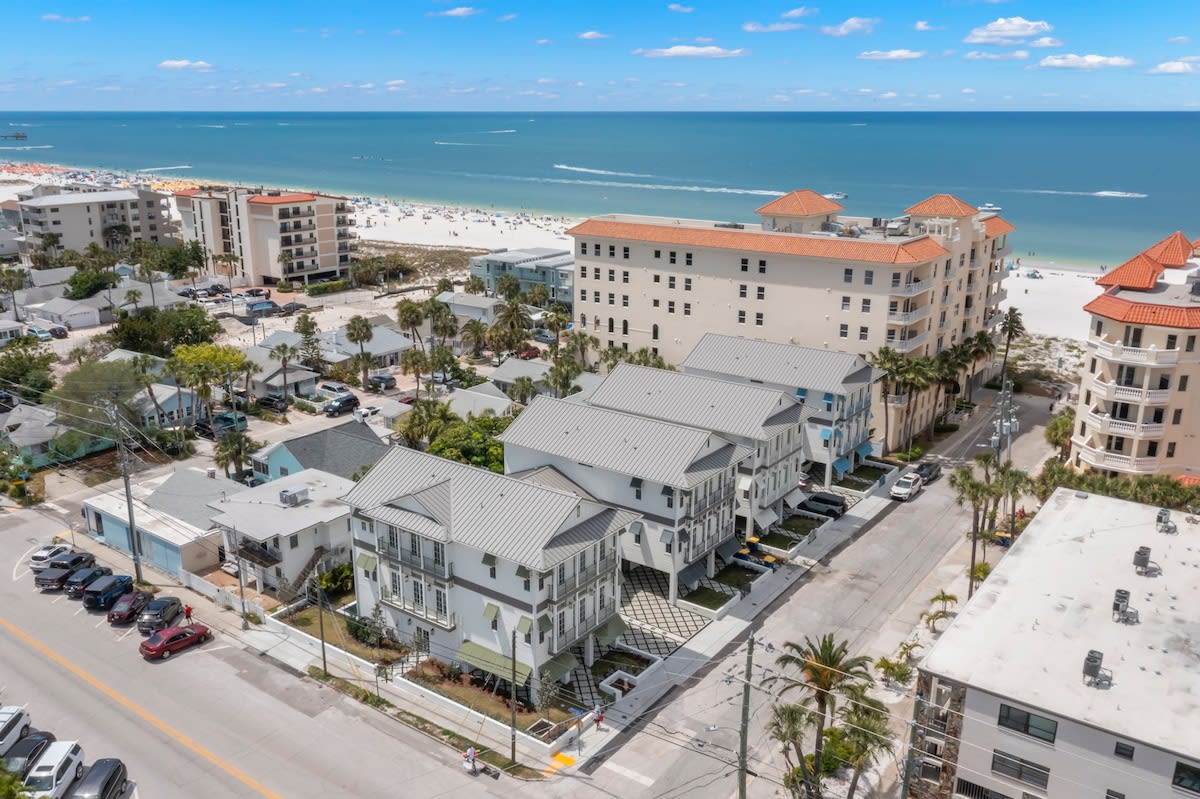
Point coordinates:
[(187, 613)]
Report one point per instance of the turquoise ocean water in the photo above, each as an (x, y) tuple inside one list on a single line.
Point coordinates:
[(1081, 187)]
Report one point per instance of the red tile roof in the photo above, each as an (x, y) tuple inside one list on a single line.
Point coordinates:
[(187, 192), (942, 205), (1139, 272), (1112, 306), (804, 202), (997, 226), (281, 199), (839, 249), (1173, 251)]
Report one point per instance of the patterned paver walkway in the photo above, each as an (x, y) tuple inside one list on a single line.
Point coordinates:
[(644, 599)]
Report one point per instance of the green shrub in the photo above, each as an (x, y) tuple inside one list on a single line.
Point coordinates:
[(305, 407), (339, 579), (253, 618), (328, 287), (360, 631), (946, 427), (284, 287)]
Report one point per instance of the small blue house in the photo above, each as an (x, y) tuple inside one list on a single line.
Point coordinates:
[(341, 450)]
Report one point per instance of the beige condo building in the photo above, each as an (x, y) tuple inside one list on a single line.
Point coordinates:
[(805, 274), (1137, 413), (83, 215), (270, 236)]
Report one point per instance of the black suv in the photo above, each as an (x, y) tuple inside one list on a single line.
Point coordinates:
[(340, 405), (83, 578), (21, 757), (73, 561), (929, 471), (273, 403), (159, 614), (381, 382)]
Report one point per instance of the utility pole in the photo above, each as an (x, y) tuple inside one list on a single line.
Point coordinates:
[(745, 734), (123, 454), (321, 619), (241, 577), (912, 748), (512, 688)]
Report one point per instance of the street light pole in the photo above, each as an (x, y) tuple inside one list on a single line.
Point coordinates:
[(321, 618), (241, 578)]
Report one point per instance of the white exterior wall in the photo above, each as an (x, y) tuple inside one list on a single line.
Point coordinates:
[(80, 220)]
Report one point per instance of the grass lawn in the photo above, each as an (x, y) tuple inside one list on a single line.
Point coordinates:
[(707, 598), (618, 660), (867, 472), (735, 576), (853, 482), (479, 700), (772, 539), (801, 525), (337, 633)]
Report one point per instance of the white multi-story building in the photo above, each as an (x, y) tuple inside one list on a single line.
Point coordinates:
[(461, 558), (768, 422), (533, 266), (110, 219), (270, 236), (679, 480), (1073, 671), (804, 275), (1135, 414), (836, 387)]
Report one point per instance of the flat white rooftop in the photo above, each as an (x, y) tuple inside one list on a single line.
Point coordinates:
[(81, 198), (1030, 625)]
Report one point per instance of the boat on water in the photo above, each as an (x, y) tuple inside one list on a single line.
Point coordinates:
[(990, 208), (835, 195)]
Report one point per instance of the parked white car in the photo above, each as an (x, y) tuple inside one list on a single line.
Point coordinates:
[(40, 559), (907, 487)]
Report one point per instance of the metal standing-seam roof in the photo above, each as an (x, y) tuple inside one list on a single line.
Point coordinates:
[(779, 364), (340, 450), (526, 523), (725, 406), (638, 446)]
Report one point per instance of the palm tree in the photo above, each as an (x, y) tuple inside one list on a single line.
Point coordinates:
[(12, 786), (1010, 484), (1011, 326), (513, 321), (918, 376), (442, 322), (474, 285), (233, 449), (867, 735), (537, 295), (200, 378), (561, 376), (12, 281), (945, 598), (508, 287), (146, 367), (132, 297), (787, 726), (425, 421), (310, 345), (146, 274), (523, 389), (414, 362), (826, 670), (578, 344), (50, 242), (248, 369), (556, 321), (474, 334), (945, 369), (285, 354), (358, 331), (116, 235), (982, 346), (410, 316), (612, 356), (892, 364), (176, 370), (976, 493)]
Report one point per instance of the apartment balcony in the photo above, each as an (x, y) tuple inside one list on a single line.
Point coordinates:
[(997, 297), (1142, 396), (344, 221), (992, 320), (997, 274), (292, 227), (346, 247), (346, 234), (572, 583), (908, 317), (341, 208), (976, 263), (259, 554), (285, 213), (911, 289), (577, 629), (950, 274), (1121, 354), (442, 569), (1101, 459), (1105, 424), (908, 344), (447, 621)]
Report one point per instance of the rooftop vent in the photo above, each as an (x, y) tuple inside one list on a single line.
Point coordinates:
[(1093, 672), (1163, 522), (294, 496)]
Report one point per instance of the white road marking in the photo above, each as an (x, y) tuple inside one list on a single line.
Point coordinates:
[(217, 648), (102, 621), (53, 507), (56, 599), (128, 633), (23, 562), (629, 773), (81, 610)]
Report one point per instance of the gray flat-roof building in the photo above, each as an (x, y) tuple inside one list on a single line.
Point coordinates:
[(554, 269)]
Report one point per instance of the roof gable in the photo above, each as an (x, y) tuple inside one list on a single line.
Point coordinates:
[(777, 363), (1172, 252), (1119, 309), (942, 205), (1139, 272), (997, 226), (341, 450), (804, 202)]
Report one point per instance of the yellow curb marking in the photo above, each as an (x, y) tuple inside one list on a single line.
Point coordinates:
[(560, 761)]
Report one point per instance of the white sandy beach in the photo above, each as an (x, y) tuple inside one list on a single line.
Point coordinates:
[(1051, 306)]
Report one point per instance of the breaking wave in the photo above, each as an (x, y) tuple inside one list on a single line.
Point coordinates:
[(589, 171)]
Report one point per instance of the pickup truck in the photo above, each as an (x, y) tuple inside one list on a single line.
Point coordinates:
[(53, 579)]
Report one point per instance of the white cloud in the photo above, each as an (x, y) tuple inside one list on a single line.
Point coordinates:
[(781, 98), (705, 39), (396, 82), (592, 35), (802, 91), (680, 8), (770, 27), (396, 32), (366, 86), (66, 83), (463, 90), (852, 25), (1179, 67), (1089, 61), (1046, 41), (886, 96), (802, 11), (295, 74), (547, 81), (183, 63), (891, 55), (1179, 40), (542, 42), (673, 84), (922, 25), (457, 11), (933, 96), (1008, 30), (109, 88), (1015, 55), (543, 95), (968, 90), (691, 51), (276, 85), (318, 90), (67, 20), (506, 18)]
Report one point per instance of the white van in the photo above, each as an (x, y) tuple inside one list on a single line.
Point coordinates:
[(56, 770), (334, 390), (14, 725)]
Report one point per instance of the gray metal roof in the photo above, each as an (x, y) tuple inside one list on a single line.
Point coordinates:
[(51, 277), (552, 478), (187, 493), (340, 451), (29, 425), (258, 513), (725, 406), (637, 446), (466, 300), (493, 513), (465, 402), (513, 368), (789, 365)]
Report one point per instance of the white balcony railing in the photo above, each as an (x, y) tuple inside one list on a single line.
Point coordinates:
[(1123, 354), (1098, 457), (1142, 396), (908, 344), (908, 317), (911, 289), (997, 297), (1105, 424)]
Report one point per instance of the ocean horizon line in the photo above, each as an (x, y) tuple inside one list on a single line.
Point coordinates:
[(627, 111)]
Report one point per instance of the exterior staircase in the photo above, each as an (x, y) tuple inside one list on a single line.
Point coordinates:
[(318, 553)]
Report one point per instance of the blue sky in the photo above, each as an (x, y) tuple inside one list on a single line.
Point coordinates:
[(617, 55)]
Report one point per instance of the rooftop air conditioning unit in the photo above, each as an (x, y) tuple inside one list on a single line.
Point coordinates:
[(1092, 663), (293, 496), (1141, 558), (1120, 601)]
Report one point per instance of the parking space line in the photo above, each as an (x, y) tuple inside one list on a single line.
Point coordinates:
[(81, 610), (102, 621), (23, 563), (128, 633), (137, 710), (56, 599)]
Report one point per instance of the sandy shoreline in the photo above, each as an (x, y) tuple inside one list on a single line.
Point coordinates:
[(1051, 306)]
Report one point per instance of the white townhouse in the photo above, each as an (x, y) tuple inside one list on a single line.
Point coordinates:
[(767, 421), (461, 558), (282, 530), (680, 480), (838, 387)]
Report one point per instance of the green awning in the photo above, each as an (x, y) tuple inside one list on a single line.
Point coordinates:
[(489, 560), (490, 610), (367, 562), (523, 572), (557, 668), (493, 662), (610, 631), (524, 625), (544, 623)]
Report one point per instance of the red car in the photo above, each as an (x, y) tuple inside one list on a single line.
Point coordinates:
[(529, 354), (166, 642), (129, 606)]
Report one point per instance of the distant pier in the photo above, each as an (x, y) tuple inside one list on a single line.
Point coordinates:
[(17, 136)]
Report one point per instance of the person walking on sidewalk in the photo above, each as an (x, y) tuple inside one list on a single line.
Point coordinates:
[(599, 717), (187, 613), (469, 758)]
